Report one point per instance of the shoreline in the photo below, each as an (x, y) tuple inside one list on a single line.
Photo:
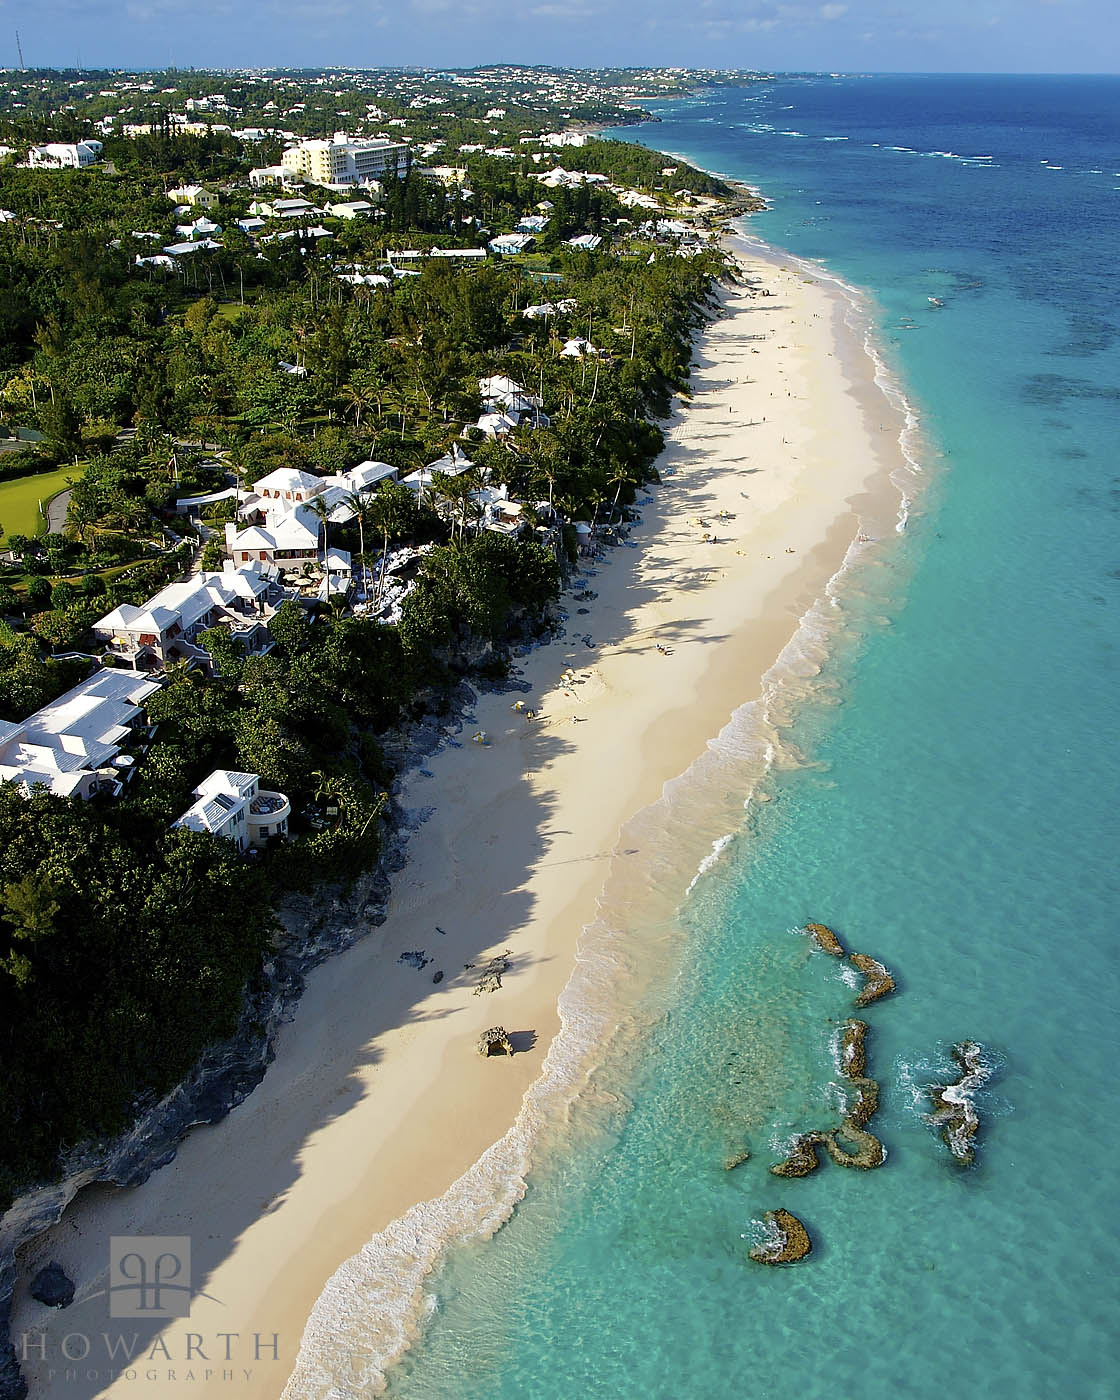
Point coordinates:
[(352, 1124)]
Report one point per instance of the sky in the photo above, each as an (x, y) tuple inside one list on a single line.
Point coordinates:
[(986, 36)]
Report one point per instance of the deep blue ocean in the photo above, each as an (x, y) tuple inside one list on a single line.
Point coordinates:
[(955, 815)]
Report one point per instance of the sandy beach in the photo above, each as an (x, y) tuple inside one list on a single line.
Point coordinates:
[(377, 1100)]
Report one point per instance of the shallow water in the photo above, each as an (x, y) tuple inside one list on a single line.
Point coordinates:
[(953, 814)]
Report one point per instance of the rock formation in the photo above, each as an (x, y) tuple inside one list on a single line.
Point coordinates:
[(877, 981), (853, 1053), (52, 1287), (788, 1240), (866, 1102), (954, 1109), (804, 1157), (869, 1151), (736, 1160), (493, 971), (495, 1042), (825, 939)]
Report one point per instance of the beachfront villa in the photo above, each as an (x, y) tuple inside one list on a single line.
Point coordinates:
[(283, 526), (165, 629), (72, 747), (235, 806)]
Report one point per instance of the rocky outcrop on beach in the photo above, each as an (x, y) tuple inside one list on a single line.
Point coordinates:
[(825, 939), (787, 1240), (954, 1108), (490, 979), (877, 981), (495, 1042), (804, 1157), (51, 1287)]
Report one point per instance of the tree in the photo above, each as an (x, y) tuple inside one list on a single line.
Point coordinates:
[(226, 651), (290, 628), (63, 594)]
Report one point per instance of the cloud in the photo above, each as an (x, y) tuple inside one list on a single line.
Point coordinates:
[(832, 11)]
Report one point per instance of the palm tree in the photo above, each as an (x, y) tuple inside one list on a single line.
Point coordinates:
[(319, 507), (357, 399), (360, 506)]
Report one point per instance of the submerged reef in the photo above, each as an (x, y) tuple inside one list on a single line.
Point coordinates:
[(787, 1240), (954, 1108), (877, 981)]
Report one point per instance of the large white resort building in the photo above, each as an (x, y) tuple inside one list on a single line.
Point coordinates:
[(346, 161)]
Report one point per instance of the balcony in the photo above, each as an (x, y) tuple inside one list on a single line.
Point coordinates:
[(270, 806)]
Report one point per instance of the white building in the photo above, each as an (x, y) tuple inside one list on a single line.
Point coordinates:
[(508, 243), (165, 629), (345, 161), (282, 528), (58, 155), (72, 746), (235, 806)]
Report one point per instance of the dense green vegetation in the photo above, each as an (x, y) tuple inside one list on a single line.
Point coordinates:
[(125, 947)]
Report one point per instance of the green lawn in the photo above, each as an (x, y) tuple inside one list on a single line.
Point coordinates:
[(19, 499)]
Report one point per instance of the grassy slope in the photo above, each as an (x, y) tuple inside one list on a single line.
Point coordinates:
[(19, 499)]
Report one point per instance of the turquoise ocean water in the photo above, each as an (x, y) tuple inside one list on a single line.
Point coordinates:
[(955, 814)]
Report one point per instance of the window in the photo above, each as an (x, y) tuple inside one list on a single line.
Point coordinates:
[(264, 830)]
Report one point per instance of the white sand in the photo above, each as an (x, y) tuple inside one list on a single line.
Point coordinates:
[(376, 1099)]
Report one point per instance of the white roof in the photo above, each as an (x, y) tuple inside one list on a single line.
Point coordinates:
[(298, 530), (184, 603), (288, 479), (82, 730), (367, 474), (219, 796), (494, 424), (497, 385)]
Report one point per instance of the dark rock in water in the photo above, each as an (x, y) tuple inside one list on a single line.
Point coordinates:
[(853, 1053), (736, 1160), (825, 939), (869, 1151), (866, 1103), (495, 1042), (52, 1287), (877, 981), (788, 1240), (954, 1110), (804, 1158), (437, 976)]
